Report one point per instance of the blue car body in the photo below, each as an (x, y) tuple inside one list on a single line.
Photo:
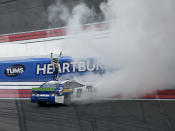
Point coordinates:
[(58, 92)]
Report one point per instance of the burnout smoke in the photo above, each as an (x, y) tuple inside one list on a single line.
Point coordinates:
[(140, 46), (58, 14)]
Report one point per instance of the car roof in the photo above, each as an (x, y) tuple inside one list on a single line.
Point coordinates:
[(53, 82), (60, 82)]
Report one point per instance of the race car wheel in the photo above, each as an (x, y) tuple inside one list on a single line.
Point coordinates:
[(41, 104), (67, 99)]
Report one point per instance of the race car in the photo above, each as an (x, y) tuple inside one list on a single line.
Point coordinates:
[(63, 92)]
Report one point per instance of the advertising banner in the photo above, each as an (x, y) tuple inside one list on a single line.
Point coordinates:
[(41, 69)]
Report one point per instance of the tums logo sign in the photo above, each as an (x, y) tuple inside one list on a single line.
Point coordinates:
[(14, 70)]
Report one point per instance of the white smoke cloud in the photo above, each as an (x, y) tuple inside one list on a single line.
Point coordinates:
[(141, 46), (80, 14), (58, 14)]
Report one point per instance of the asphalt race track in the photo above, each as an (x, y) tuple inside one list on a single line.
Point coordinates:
[(102, 116)]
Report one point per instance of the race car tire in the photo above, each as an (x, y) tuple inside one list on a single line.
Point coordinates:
[(67, 99), (41, 104)]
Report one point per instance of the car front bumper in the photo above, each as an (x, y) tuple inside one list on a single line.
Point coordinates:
[(47, 99)]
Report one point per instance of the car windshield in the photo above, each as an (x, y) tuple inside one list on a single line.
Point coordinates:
[(72, 84), (50, 85)]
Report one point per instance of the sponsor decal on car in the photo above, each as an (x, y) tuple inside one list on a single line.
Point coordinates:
[(14, 70), (43, 89)]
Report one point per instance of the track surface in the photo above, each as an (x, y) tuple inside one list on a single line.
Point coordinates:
[(101, 116)]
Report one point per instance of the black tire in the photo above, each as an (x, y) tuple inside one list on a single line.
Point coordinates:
[(67, 99), (41, 104)]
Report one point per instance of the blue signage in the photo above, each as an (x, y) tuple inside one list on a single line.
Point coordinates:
[(40, 69)]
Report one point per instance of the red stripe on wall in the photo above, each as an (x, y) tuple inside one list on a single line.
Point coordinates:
[(47, 33), (167, 94), (15, 91), (159, 97), (26, 93), (29, 37), (36, 37), (15, 95)]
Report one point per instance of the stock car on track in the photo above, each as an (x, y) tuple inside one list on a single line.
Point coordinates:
[(59, 92)]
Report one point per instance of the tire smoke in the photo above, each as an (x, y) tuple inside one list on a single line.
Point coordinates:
[(140, 46)]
